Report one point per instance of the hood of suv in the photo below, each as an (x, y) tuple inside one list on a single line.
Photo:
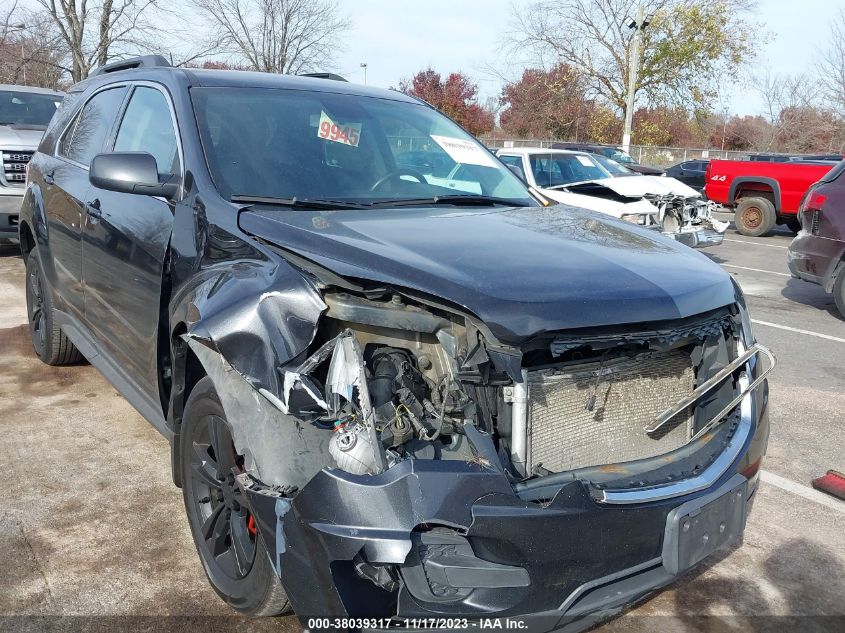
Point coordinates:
[(521, 271)]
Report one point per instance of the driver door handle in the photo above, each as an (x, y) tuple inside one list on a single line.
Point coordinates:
[(93, 209)]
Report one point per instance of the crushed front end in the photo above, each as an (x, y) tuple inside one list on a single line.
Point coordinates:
[(689, 220), (412, 466)]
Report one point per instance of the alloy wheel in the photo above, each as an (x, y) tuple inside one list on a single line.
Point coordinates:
[(35, 299), (227, 529)]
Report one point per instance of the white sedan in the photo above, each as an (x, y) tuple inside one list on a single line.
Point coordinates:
[(578, 179)]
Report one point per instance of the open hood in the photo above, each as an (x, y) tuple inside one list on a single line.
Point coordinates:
[(521, 271), (638, 186)]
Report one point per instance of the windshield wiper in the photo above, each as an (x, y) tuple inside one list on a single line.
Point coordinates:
[(468, 200), (299, 203)]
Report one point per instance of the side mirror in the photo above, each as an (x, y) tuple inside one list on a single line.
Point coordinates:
[(131, 172)]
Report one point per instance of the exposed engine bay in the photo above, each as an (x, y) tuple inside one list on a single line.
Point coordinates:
[(393, 379)]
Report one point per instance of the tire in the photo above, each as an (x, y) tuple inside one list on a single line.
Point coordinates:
[(794, 225), (839, 292), (754, 216), (49, 342), (234, 556)]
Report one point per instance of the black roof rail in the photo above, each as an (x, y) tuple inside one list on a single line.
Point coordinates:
[(331, 76), (143, 61)]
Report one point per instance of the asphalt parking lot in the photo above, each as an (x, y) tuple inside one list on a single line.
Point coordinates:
[(92, 525)]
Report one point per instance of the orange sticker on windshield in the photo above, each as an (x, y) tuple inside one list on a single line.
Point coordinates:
[(346, 133)]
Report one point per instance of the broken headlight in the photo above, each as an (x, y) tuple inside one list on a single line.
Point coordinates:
[(636, 218)]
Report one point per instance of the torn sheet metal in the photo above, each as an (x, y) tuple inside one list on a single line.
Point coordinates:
[(279, 449), (258, 317)]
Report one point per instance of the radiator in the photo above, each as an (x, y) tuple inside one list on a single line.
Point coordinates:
[(564, 435)]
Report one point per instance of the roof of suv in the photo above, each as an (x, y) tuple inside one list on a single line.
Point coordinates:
[(33, 89), (249, 79)]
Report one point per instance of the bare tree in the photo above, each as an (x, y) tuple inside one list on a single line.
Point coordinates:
[(29, 51), (688, 46), (831, 66), (95, 32), (277, 36)]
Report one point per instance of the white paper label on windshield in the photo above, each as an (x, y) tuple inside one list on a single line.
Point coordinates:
[(584, 161), (463, 151)]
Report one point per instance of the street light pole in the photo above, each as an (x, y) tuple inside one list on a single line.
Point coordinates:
[(638, 25), (364, 66)]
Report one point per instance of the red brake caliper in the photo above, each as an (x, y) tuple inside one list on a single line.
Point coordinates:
[(250, 525)]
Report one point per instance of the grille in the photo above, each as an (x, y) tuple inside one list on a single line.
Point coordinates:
[(14, 166), (631, 392)]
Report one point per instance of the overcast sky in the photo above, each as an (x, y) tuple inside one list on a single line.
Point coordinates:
[(397, 38)]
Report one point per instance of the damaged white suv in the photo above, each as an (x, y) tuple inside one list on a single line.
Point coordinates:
[(657, 202), (388, 397)]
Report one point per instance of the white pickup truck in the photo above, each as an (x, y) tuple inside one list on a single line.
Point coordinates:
[(24, 114), (579, 180)]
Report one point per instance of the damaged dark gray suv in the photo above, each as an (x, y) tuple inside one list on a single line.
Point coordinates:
[(397, 387)]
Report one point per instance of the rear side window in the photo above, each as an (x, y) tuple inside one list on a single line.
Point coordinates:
[(84, 137), (148, 127)]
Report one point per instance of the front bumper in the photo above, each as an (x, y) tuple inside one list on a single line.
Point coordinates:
[(10, 207), (554, 563), (699, 238)]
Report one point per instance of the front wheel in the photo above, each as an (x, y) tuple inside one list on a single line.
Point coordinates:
[(754, 216), (49, 342), (230, 548)]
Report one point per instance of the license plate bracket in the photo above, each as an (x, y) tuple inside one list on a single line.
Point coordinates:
[(699, 527)]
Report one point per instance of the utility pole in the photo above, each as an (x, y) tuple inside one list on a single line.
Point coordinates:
[(364, 66), (637, 24)]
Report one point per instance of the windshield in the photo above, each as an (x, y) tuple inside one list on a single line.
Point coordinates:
[(619, 156), (27, 108), (612, 166), (554, 170), (307, 145)]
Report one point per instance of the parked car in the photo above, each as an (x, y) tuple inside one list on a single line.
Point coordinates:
[(817, 254), (24, 114), (763, 194), (386, 399), (620, 156), (659, 203), (690, 172)]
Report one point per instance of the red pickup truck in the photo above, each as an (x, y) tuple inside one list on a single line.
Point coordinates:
[(763, 194)]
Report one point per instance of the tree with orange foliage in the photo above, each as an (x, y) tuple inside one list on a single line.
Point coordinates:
[(456, 97)]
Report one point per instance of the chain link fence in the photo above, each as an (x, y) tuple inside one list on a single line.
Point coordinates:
[(644, 154)]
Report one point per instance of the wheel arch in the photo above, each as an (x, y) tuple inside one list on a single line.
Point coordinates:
[(27, 239), (836, 268), (187, 371), (756, 186)]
